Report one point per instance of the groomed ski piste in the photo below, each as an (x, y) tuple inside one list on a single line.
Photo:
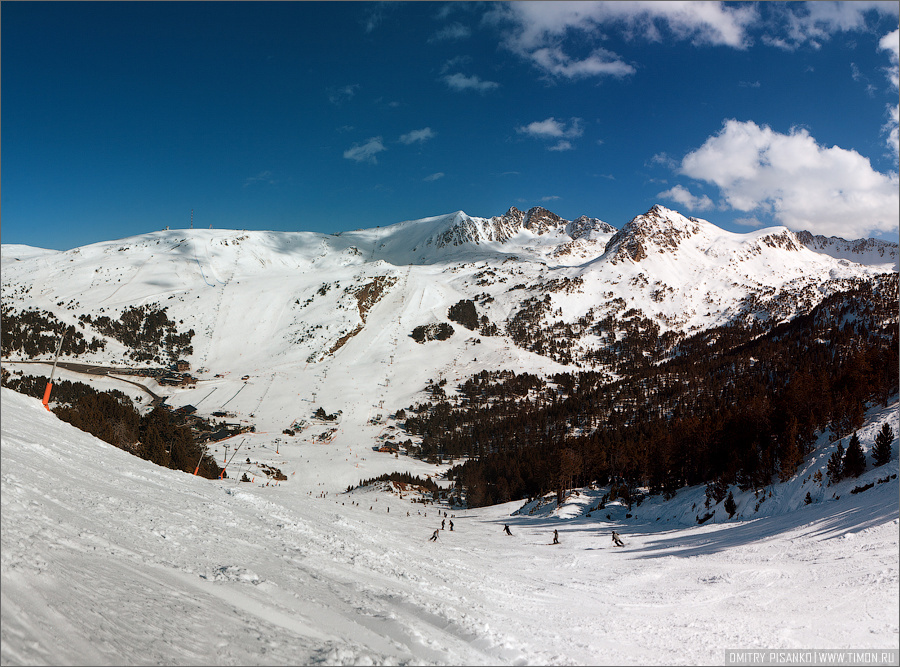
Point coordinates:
[(109, 559)]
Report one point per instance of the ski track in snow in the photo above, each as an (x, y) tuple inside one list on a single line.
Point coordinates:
[(130, 563)]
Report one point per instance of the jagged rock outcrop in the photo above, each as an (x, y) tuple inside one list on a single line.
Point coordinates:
[(657, 230)]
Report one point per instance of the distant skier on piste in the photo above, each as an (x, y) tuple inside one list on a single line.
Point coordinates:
[(617, 540), (433, 537), (443, 524), (555, 537), (506, 530), (451, 525)]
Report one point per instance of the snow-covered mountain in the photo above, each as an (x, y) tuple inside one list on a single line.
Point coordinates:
[(298, 311), (134, 563), (863, 251)]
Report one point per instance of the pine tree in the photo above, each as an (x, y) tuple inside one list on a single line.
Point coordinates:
[(881, 452), (836, 465), (730, 505), (854, 459)]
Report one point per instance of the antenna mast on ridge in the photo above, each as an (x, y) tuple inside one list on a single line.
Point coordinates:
[(192, 218)]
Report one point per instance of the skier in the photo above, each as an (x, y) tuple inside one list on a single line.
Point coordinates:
[(451, 525), (555, 537), (617, 540), (506, 530), (443, 524), (434, 537)]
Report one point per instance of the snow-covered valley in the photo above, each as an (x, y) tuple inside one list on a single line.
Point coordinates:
[(108, 559)]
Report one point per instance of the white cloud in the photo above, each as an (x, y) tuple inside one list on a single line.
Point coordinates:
[(663, 159), (433, 177), (452, 32), (891, 44), (419, 136), (552, 128), (813, 23), (563, 145), (365, 152), (538, 31), (803, 185), (462, 82), (601, 62), (684, 197)]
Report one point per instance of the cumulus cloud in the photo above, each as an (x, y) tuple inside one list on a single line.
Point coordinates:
[(684, 197), (461, 82), (538, 31), (417, 136), (891, 44), (365, 152), (803, 185)]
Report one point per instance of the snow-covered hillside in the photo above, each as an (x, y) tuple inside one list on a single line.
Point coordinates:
[(108, 559), (284, 321)]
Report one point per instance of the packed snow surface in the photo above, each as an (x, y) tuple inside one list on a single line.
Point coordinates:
[(108, 559)]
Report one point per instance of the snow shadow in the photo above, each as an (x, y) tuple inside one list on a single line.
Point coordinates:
[(832, 519)]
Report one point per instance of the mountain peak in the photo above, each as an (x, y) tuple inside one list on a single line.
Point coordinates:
[(540, 221), (660, 228)]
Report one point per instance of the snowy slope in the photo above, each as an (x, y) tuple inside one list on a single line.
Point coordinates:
[(287, 309), (107, 559), (863, 251)]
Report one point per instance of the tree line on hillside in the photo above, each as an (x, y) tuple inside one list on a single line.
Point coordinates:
[(740, 404), (111, 416), (146, 330), (30, 333)]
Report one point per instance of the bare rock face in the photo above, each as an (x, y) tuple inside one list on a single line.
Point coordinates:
[(657, 230), (539, 220)]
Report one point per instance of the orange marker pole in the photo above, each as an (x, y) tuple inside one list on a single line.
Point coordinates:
[(46, 399)]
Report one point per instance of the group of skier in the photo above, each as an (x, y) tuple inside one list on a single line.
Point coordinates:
[(616, 538)]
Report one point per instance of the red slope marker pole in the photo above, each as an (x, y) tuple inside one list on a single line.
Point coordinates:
[(46, 399), (232, 457)]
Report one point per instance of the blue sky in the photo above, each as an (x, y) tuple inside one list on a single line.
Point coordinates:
[(120, 118)]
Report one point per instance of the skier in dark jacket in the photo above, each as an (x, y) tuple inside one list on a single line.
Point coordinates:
[(506, 530), (617, 540), (443, 524), (555, 537), (434, 537), (451, 525)]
